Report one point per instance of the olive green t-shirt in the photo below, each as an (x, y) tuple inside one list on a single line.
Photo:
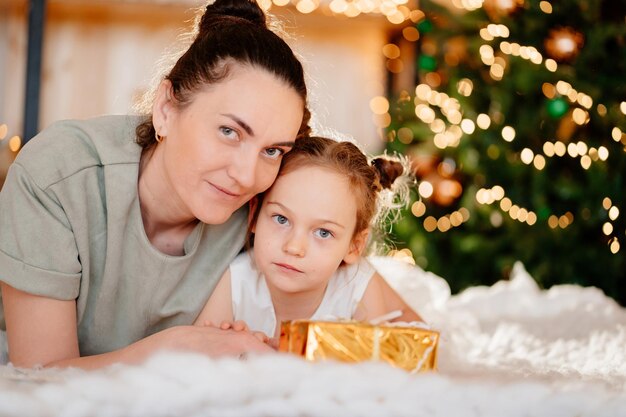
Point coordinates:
[(71, 229)]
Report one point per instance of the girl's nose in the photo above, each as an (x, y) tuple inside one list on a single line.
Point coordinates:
[(295, 245)]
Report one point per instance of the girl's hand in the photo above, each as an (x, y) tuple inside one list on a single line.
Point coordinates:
[(240, 326), (274, 342)]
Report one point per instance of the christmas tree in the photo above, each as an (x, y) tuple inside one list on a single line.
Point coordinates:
[(515, 125)]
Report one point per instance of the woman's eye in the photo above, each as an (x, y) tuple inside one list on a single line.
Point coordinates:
[(324, 233), (280, 219), (274, 153), (228, 132)]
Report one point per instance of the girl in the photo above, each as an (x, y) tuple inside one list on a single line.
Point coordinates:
[(310, 230)]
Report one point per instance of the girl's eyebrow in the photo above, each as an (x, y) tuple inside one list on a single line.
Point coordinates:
[(320, 220), (245, 126)]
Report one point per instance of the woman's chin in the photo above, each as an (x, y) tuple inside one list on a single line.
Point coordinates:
[(215, 217)]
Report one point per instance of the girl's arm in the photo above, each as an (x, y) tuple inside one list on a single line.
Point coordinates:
[(218, 310), (43, 331), (379, 299), (219, 307)]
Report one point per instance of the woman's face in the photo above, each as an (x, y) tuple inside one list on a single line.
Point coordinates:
[(226, 145)]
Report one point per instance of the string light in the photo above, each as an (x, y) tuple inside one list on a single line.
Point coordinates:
[(405, 135), (15, 143), (418, 209), (395, 11), (425, 189), (614, 245), (483, 121), (379, 105), (607, 227), (404, 255), (545, 7), (508, 133), (488, 196), (446, 222)]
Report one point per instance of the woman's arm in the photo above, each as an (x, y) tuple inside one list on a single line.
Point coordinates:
[(42, 331), (379, 299)]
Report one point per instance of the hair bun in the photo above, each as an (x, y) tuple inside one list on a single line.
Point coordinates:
[(244, 9), (388, 170)]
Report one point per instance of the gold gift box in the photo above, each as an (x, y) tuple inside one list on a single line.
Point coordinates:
[(410, 348)]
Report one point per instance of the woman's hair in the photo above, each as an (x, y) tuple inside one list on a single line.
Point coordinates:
[(380, 186), (230, 32)]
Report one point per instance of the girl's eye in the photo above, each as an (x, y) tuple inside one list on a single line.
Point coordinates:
[(280, 219), (274, 153), (324, 233)]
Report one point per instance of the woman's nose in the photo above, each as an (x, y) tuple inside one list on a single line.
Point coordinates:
[(243, 168)]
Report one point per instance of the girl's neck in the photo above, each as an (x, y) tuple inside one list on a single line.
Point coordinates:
[(290, 306)]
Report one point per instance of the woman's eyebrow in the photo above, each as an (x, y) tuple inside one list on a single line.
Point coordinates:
[(287, 144), (245, 126)]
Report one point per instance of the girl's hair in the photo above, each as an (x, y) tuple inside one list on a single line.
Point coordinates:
[(381, 186), (230, 32)]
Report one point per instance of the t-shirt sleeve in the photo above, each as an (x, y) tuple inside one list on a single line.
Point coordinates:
[(38, 252)]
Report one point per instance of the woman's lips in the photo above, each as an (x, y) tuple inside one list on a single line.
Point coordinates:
[(225, 191)]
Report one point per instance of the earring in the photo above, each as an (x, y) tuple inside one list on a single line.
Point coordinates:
[(158, 137)]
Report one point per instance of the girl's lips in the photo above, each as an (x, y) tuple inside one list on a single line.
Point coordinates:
[(288, 267)]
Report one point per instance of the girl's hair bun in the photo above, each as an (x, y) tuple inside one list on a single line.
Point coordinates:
[(388, 170), (244, 9)]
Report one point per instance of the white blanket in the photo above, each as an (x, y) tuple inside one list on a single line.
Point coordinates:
[(506, 350)]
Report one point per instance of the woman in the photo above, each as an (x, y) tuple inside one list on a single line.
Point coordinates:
[(116, 230)]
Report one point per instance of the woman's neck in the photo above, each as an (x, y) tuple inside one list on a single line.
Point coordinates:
[(164, 218)]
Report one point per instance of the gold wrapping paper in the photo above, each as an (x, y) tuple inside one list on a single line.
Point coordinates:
[(410, 348)]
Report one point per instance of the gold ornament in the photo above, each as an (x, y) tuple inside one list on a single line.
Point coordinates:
[(564, 44)]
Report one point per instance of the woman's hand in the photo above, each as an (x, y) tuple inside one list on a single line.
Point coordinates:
[(240, 326), (230, 339)]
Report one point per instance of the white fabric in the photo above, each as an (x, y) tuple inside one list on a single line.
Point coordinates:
[(509, 350), (252, 301)]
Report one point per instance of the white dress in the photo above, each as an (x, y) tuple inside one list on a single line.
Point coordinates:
[(252, 302)]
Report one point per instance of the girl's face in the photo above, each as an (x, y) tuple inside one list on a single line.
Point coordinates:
[(304, 230), (226, 145)]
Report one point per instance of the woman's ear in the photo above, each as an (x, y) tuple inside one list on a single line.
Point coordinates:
[(357, 246), (162, 107)]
